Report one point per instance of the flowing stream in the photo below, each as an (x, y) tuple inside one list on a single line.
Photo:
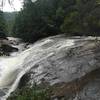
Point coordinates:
[(14, 67)]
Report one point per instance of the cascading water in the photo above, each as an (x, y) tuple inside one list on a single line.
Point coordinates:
[(9, 69), (13, 68)]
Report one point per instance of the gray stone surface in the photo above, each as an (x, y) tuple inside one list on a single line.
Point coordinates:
[(65, 59), (57, 60)]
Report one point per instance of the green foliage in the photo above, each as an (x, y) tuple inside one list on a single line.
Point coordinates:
[(10, 18), (36, 20), (49, 17), (34, 93), (3, 27), (2, 23), (84, 19), (70, 24)]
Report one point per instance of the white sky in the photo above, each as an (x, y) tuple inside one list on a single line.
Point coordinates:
[(17, 4)]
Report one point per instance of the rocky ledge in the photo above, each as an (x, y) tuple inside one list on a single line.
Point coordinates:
[(72, 71), (6, 47)]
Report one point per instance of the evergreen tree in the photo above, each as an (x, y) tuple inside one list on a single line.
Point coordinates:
[(49, 17), (2, 26)]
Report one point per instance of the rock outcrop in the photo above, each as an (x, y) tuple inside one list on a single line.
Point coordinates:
[(72, 68), (6, 47)]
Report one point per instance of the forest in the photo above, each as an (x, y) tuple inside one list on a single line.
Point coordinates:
[(50, 17)]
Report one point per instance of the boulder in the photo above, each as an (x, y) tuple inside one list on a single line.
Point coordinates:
[(6, 48), (70, 66)]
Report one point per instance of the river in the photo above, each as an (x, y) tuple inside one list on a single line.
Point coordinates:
[(12, 68)]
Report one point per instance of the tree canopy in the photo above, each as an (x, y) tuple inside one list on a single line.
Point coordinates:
[(49, 17), (3, 28)]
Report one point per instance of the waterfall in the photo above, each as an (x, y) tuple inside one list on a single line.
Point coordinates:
[(13, 68)]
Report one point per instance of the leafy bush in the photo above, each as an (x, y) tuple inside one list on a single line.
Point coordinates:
[(3, 27), (50, 17), (34, 93)]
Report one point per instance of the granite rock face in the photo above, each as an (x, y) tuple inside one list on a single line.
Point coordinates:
[(6, 47), (70, 65)]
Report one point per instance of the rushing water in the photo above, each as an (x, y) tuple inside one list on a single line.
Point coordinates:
[(13, 68)]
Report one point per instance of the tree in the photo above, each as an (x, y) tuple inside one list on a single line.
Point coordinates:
[(50, 17), (35, 21), (2, 23), (83, 19)]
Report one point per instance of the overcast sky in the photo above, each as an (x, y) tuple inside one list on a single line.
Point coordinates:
[(17, 5)]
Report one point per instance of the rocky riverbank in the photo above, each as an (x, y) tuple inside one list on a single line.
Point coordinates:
[(10, 45), (70, 72), (6, 48)]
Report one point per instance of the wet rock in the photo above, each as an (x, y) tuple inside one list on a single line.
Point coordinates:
[(71, 66), (6, 48), (67, 65), (91, 91), (1, 93)]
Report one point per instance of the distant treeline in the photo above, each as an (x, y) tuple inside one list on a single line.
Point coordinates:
[(50, 17), (10, 19), (3, 27)]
